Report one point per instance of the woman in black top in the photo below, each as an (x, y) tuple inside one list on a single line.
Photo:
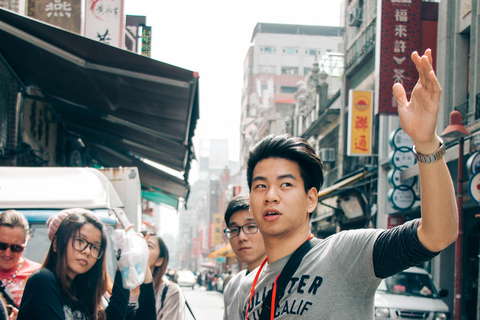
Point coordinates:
[(73, 278)]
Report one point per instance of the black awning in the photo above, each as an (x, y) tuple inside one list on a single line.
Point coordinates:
[(134, 105), (152, 179)]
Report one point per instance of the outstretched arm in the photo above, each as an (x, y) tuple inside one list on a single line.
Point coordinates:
[(438, 227)]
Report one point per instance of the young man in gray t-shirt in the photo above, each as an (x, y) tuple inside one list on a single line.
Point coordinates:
[(337, 278), (247, 244)]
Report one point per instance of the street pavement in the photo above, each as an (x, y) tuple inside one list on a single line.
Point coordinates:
[(206, 305)]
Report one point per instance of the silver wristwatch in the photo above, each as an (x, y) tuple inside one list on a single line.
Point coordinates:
[(429, 158)]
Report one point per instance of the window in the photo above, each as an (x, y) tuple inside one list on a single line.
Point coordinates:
[(311, 52), (306, 71), (289, 70), (290, 50), (267, 69), (288, 89), (268, 49)]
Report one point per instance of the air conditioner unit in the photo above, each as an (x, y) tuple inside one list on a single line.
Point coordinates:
[(327, 154), (355, 17)]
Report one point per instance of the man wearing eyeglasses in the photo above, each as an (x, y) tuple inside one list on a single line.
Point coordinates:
[(247, 244)]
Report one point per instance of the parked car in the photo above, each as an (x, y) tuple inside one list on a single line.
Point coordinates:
[(410, 294), (186, 278)]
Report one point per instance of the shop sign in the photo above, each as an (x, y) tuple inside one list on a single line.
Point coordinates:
[(402, 158), (65, 14), (402, 199), (104, 21), (360, 123), (399, 33), (217, 228), (473, 163), (399, 139), (474, 188), (394, 177)]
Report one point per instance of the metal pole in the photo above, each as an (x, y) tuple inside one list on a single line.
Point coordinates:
[(459, 243)]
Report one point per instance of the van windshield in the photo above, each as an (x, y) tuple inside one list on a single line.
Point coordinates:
[(411, 284)]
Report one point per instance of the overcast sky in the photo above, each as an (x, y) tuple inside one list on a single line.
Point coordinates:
[(212, 37)]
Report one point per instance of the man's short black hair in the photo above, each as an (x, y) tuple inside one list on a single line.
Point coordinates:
[(290, 148), (237, 203)]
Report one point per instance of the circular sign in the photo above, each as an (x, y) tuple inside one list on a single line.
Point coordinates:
[(394, 177), (474, 187), (402, 198), (402, 158), (473, 163), (400, 139)]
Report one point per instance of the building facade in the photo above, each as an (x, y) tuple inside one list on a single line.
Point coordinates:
[(278, 61)]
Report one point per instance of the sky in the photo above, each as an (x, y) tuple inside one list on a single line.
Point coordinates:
[(212, 37)]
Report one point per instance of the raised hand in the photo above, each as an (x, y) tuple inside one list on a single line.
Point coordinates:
[(418, 117)]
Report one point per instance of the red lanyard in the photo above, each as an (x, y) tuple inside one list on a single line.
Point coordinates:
[(274, 292)]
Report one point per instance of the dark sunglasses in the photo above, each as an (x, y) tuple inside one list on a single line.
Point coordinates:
[(13, 247)]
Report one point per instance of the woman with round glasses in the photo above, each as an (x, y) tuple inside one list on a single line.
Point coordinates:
[(73, 277), (14, 269)]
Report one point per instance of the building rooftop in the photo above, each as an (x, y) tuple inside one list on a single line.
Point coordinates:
[(278, 28)]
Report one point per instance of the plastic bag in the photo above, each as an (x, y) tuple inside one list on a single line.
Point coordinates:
[(132, 255)]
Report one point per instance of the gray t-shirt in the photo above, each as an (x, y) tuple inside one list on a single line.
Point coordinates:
[(336, 280), (230, 296)]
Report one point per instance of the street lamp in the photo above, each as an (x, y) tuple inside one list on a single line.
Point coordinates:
[(457, 130)]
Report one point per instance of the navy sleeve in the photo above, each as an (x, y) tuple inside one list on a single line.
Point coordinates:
[(42, 298), (398, 249), (117, 307), (146, 303)]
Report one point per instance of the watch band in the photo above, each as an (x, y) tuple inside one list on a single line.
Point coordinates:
[(429, 158)]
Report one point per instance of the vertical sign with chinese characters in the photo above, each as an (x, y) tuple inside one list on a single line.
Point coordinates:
[(195, 248), (217, 228), (104, 21), (146, 41), (400, 35), (360, 123), (65, 14)]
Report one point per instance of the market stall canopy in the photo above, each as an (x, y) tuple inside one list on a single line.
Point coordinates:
[(133, 106), (223, 251)]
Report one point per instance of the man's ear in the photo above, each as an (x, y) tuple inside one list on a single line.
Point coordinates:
[(159, 262), (312, 196)]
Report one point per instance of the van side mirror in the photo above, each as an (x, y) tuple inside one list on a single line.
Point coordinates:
[(443, 293)]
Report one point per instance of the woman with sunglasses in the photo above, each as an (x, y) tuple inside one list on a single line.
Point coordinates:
[(14, 269), (73, 277)]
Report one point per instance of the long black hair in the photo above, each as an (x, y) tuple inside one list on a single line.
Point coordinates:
[(159, 272), (85, 289)]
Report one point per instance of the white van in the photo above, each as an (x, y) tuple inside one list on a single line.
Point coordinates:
[(40, 192), (410, 294)]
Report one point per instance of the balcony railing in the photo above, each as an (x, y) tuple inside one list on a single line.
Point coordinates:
[(360, 46)]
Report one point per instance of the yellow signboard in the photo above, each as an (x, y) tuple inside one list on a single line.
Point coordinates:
[(360, 123), (217, 228)]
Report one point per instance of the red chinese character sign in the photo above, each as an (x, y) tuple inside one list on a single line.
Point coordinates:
[(399, 35), (360, 122)]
